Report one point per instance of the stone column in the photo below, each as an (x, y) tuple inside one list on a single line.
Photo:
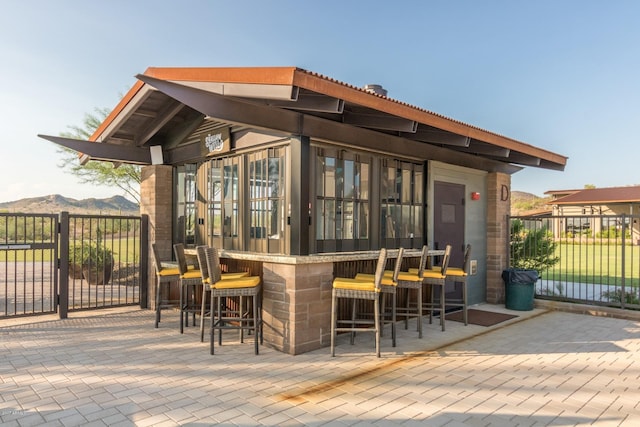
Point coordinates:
[(296, 306), (156, 200), (498, 207)]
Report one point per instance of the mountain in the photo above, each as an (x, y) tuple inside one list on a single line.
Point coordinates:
[(521, 203), (526, 203), (56, 203)]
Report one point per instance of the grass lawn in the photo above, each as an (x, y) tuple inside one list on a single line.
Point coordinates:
[(598, 264), (124, 249)]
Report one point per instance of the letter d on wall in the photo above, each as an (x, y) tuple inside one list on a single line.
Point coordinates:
[(504, 193)]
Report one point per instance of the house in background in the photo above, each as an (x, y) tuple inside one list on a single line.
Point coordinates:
[(593, 210)]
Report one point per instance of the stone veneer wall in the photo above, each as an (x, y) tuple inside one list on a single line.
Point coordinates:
[(296, 306), (156, 200), (498, 207)]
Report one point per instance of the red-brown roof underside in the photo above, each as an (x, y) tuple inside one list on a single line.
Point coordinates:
[(324, 85)]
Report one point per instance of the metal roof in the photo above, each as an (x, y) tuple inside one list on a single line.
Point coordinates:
[(600, 196), (167, 104)]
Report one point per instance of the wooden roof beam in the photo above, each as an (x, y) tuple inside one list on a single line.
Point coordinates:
[(382, 122), (311, 102), (163, 118), (524, 159), (477, 147), (436, 136)]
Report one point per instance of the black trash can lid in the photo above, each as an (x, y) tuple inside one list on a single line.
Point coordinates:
[(520, 276)]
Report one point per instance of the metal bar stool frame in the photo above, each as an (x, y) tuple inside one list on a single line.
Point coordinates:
[(164, 276), (358, 289), (436, 277), (190, 280), (413, 282), (388, 286), (222, 317)]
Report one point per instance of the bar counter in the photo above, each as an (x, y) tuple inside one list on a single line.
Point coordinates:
[(296, 291)]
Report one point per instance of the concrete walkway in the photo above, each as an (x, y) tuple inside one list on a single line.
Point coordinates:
[(114, 368)]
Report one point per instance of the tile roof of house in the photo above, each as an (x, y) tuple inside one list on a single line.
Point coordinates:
[(588, 196)]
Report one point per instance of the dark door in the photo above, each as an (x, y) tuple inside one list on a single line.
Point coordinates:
[(448, 227)]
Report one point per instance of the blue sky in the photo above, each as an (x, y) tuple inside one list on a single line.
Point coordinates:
[(560, 75)]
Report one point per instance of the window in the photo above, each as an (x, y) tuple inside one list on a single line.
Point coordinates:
[(230, 201), (266, 200), (578, 225), (401, 206), (214, 197), (342, 205), (185, 202), (223, 202)]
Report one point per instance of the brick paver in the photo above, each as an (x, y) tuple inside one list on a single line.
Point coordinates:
[(114, 368)]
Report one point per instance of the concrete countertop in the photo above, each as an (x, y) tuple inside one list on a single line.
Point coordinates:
[(315, 258)]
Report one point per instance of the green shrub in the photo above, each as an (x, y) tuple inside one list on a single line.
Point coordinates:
[(532, 249), (90, 253), (616, 296)]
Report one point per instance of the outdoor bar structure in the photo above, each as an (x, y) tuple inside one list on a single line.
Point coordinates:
[(294, 175)]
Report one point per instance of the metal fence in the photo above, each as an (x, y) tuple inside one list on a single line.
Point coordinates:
[(28, 267), (57, 263), (592, 259)]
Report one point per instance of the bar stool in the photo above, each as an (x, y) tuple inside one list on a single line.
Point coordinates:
[(190, 279), (459, 275), (388, 286), (436, 277), (206, 283), (354, 289), (412, 280), (224, 317), (165, 276)]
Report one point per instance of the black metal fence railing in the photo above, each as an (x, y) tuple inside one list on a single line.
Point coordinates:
[(66, 262), (28, 263), (592, 259)]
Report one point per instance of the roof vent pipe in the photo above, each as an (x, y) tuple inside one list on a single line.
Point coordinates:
[(377, 89)]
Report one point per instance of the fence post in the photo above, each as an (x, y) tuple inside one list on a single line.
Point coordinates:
[(623, 292), (144, 261), (63, 266)]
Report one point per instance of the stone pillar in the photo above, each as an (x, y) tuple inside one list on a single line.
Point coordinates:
[(296, 306), (156, 200), (498, 207)]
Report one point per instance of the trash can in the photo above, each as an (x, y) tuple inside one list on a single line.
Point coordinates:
[(519, 288)]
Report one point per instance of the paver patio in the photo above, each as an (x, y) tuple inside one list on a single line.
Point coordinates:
[(112, 367)]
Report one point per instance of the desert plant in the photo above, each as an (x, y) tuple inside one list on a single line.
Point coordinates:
[(532, 248)]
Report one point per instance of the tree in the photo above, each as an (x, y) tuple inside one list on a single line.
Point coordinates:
[(532, 249), (124, 176)]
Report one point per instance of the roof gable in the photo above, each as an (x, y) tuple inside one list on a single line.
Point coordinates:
[(286, 98)]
